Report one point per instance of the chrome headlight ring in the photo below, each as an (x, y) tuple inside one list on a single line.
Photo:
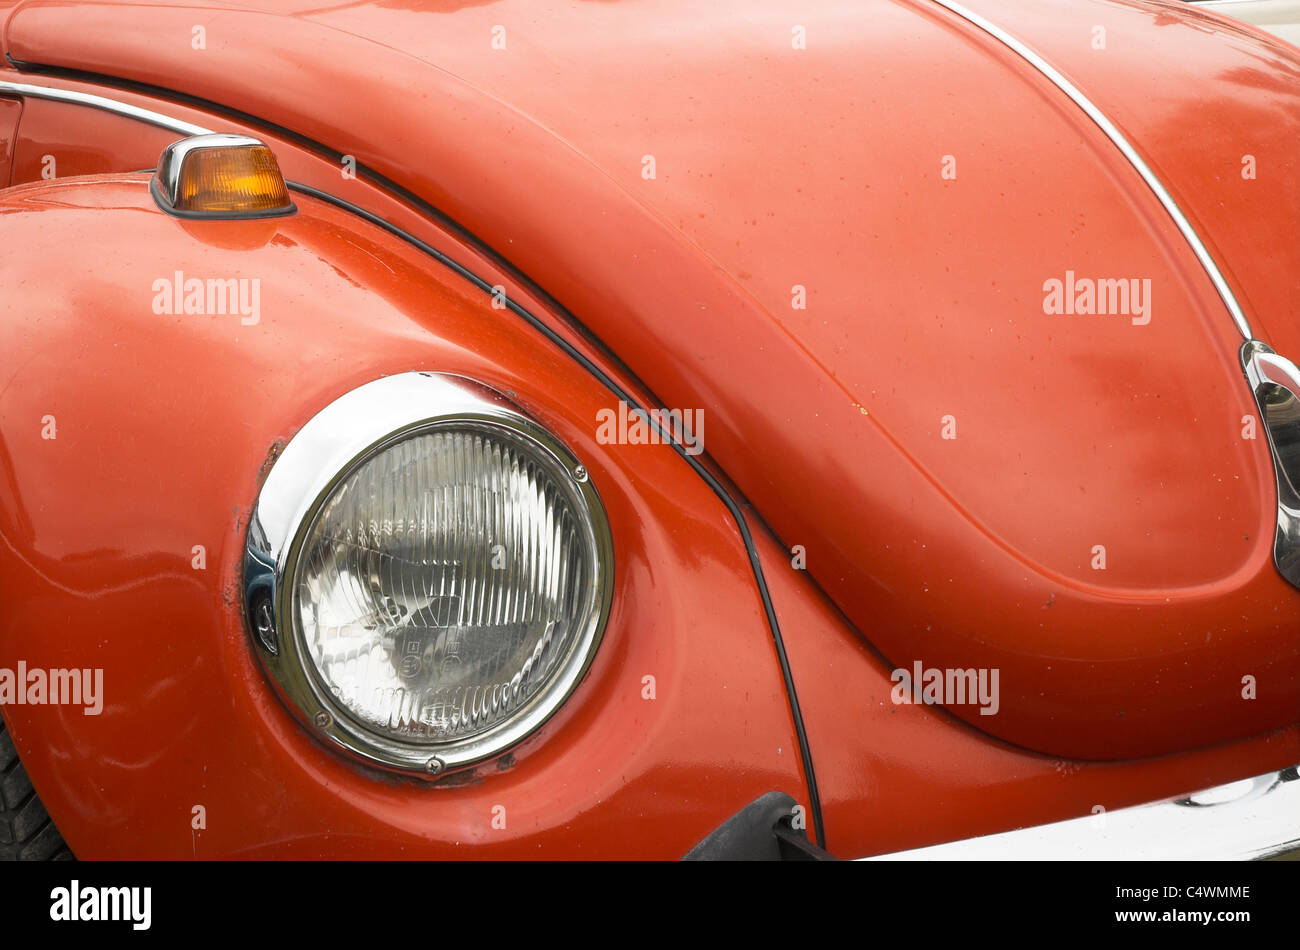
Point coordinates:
[(429, 731)]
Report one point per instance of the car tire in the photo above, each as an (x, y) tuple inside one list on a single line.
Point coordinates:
[(26, 831)]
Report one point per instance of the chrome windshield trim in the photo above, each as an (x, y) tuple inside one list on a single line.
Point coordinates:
[(1247, 820), (101, 102), (1117, 138)]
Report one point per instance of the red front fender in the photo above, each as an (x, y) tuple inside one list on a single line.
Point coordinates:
[(131, 440)]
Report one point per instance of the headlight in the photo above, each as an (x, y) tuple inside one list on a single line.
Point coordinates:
[(428, 573)]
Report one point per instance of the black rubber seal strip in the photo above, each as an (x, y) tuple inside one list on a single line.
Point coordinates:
[(737, 513)]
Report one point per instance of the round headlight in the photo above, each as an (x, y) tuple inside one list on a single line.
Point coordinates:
[(428, 573)]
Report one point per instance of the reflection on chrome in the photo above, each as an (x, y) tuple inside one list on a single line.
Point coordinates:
[(428, 573), (1246, 820), (1275, 381)]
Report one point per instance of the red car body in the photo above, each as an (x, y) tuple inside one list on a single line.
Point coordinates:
[(837, 250)]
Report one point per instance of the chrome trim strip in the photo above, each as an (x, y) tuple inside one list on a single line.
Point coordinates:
[(1279, 413), (321, 455), (1120, 142), (1251, 819), (100, 102)]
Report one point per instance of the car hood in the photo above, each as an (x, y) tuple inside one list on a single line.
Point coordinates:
[(872, 245)]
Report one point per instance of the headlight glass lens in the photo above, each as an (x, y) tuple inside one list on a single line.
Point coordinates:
[(445, 582)]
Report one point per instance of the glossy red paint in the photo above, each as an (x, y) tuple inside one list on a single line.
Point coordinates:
[(192, 721), (60, 140), (1218, 121), (828, 177), (99, 525), (85, 140), (921, 296), (10, 110), (897, 776)]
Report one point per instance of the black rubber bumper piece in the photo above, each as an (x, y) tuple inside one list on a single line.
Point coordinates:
[(761, 831)]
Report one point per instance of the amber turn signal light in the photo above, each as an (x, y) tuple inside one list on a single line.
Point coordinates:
[(220, 176)]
